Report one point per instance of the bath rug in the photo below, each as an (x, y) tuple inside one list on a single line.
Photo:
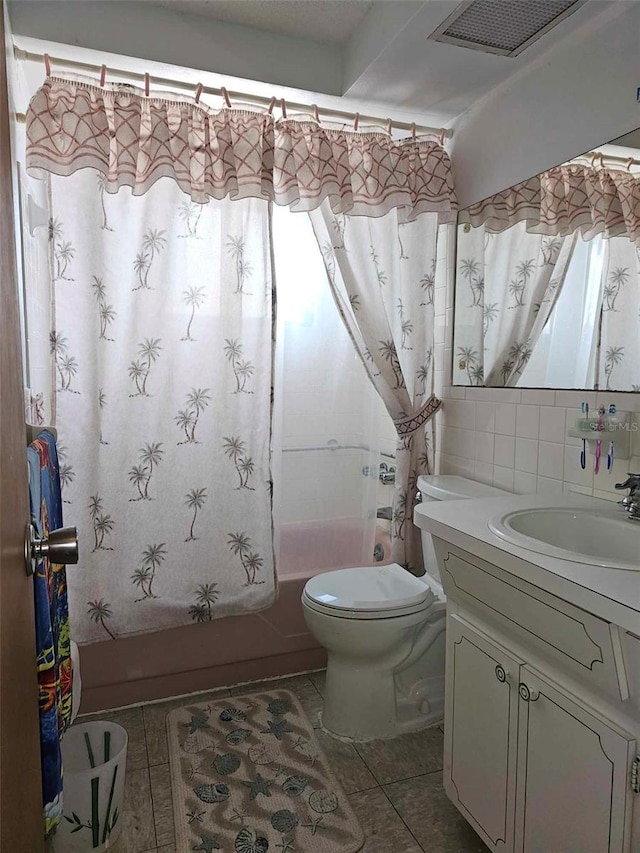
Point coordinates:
[(249, 776)]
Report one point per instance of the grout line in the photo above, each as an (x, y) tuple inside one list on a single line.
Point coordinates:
[(403, 820)]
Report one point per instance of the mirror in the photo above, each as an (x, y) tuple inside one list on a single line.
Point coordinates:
[(547, 287)]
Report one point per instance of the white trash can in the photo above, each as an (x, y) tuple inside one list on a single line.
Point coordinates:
[(94, 760)]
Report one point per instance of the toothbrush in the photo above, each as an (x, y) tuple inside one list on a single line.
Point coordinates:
[(583, 454), (610, 457), (598, 454)]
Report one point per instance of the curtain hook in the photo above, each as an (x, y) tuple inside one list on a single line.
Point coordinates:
[(316, 114), (389, 125), (147, 81), (271, 106), (629, 163), (413, 131), (283, 107), (225, 95), (47, 64), (356, 121), (593, 159), (103, 75), (441, 137), (198, 93)]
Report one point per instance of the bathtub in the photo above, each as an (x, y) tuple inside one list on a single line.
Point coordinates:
[(234, 649), (308, 548)]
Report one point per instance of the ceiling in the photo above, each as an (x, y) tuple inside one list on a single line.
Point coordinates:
[(374, 52), (329, 21)]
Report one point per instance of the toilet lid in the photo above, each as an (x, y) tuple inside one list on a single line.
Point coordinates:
[(368, 588)]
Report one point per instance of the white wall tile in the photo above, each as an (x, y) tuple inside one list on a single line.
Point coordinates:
[(538, 396), (551, 460), (459, 413), (552, 424), (527, 455), (528, 421), (505, 419), (549, 487), (503, 478), (525, 484), (483, 473), (504, 451), (484, 446), (485, 417)]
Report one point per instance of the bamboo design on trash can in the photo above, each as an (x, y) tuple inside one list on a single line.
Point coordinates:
[(110, 820)]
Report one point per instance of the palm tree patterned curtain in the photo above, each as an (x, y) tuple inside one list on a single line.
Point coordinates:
[(619, 350), (162, 350), (382, 276), (506, 286)]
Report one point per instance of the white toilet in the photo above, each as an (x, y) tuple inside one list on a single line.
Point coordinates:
[(383, 630)]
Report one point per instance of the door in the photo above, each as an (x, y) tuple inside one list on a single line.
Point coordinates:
[(21, 823), (481, 711), (573, 774)]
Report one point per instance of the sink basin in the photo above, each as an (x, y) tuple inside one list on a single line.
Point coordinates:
[(578, 535)]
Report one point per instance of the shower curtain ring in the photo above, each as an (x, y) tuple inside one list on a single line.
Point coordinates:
[(47, 64)]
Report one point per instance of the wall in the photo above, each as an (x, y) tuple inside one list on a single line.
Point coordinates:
[(573, 98), (511, 438)]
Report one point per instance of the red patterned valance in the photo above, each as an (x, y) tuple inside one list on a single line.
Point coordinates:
[(135, 140), (563, 200)]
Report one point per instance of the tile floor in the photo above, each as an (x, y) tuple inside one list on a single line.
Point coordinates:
[(395, 786)]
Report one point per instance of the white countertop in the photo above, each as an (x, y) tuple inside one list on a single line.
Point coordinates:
[(612, 594)]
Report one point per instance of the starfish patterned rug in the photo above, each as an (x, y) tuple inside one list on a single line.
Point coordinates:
[(249, 776)]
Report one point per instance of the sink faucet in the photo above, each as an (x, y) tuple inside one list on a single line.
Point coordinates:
[(631, 502)]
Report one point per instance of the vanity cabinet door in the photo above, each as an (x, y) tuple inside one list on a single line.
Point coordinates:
[(481, 710), (573, 791)]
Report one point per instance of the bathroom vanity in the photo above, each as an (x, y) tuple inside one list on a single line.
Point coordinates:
[(542, 706)]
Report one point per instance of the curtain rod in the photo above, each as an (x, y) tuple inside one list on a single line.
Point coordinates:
[(597, 155), (311, 109)]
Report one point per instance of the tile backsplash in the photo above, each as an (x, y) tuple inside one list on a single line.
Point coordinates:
[(515, 438)]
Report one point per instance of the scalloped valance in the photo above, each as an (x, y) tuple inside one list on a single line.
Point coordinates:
[(563, 200), (239, 152)]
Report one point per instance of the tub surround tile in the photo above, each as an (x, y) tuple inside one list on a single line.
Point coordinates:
[(485, 417), (485, 446), (383, 827), (160, 778), (525, 484), (483, 473), (407, 755), (548, 486), (432, 819)]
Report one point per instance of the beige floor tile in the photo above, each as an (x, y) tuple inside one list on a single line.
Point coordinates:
[(347, 765), (384, 831), (411, 754), (131, 719), (155, 722), (300, 685), (431, 817), (138, 833), (162, 804), (319, 679)]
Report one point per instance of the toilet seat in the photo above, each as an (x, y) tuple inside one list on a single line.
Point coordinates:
[(368, 592)]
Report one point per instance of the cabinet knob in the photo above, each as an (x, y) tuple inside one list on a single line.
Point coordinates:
[(527, 693), (501, 674)]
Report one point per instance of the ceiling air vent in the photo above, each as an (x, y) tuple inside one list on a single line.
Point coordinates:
[(505, 27)]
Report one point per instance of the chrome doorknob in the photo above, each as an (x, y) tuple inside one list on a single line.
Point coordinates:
[(60, 546)]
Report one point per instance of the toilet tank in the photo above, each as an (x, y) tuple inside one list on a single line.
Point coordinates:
[(448, 487)]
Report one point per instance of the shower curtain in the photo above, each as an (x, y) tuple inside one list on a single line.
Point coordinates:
[(162, 336), (162, 355)]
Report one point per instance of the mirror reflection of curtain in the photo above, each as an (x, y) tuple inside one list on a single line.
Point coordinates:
[(619, 356), (511, 281), (382, 275)]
